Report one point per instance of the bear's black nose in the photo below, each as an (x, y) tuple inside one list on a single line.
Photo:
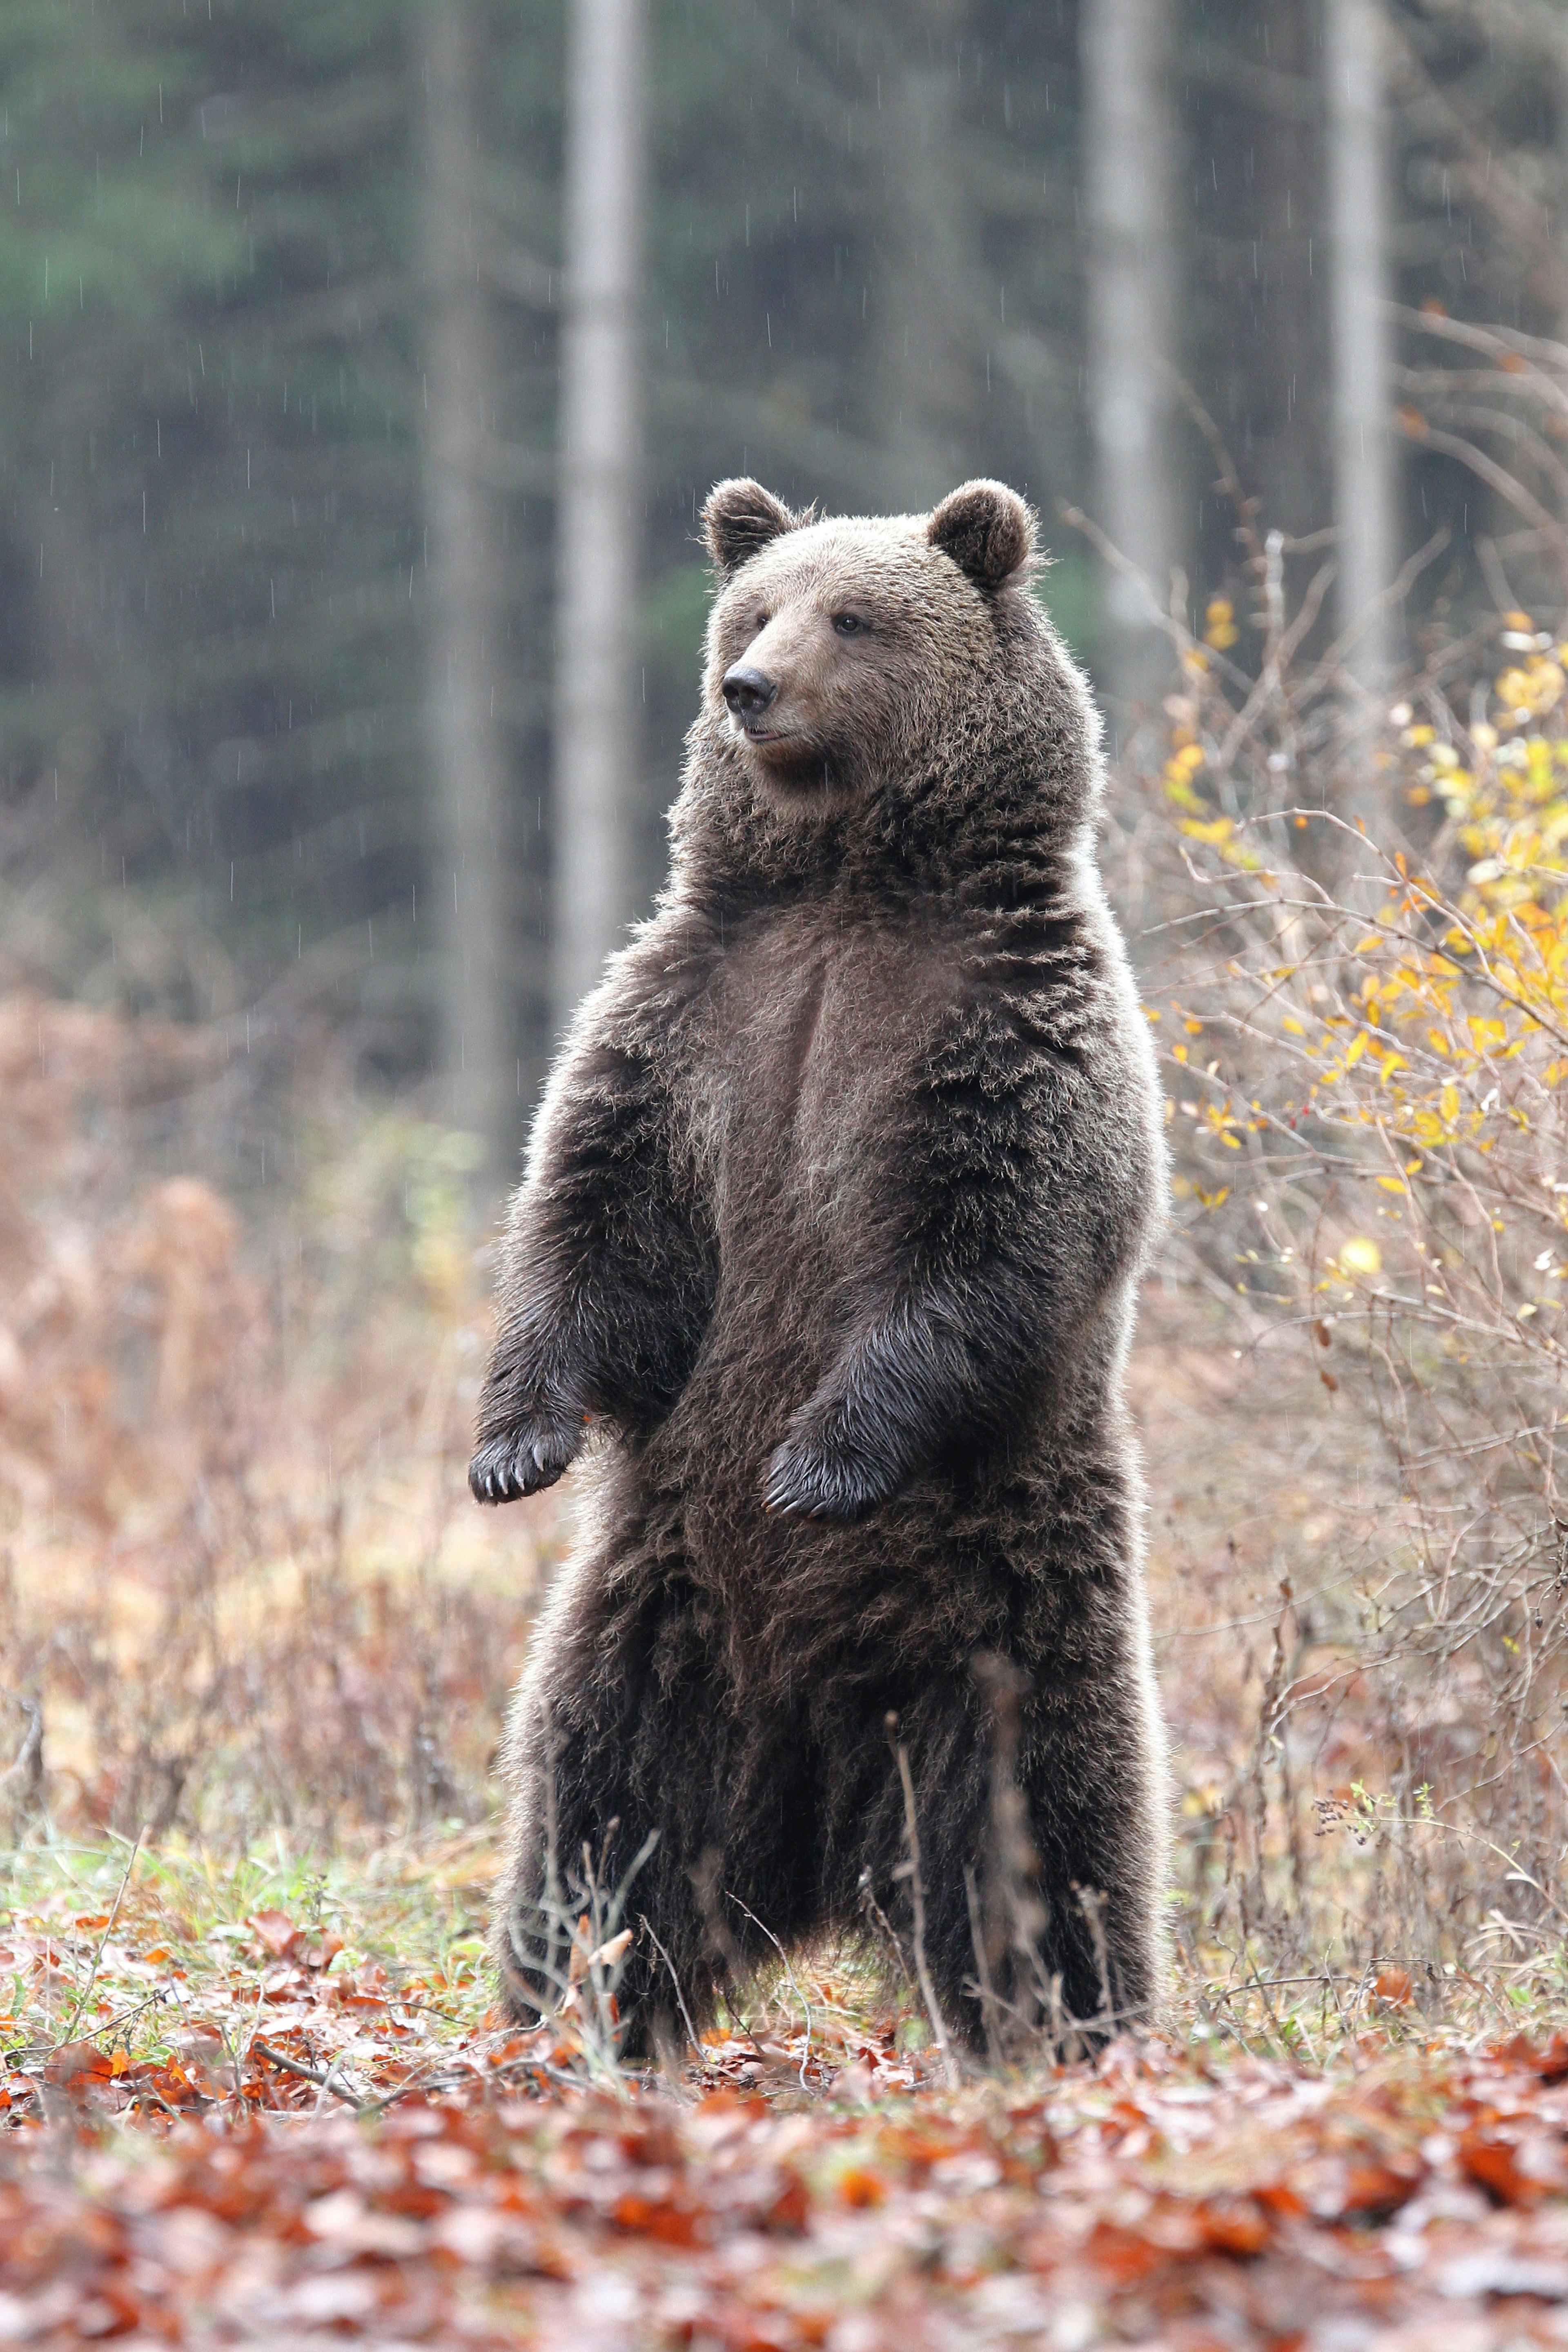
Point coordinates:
[(748, 692)]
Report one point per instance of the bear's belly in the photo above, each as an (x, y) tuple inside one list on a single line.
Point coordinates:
[(818, 1045)]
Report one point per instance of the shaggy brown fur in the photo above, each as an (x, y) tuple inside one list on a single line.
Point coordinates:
[(834, 1216)]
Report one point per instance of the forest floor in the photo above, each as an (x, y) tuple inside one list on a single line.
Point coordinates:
[(269, 2106)]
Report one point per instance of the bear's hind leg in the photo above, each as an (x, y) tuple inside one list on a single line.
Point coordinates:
[(1039, 1871), (624, 1725), (1073, 1870), (590, 1748)]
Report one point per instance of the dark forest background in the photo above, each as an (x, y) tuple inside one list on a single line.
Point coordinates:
[(275, 274)]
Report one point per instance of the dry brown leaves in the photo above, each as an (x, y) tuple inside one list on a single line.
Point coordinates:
[(1416, 2201)]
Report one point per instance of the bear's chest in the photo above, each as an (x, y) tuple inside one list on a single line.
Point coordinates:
[(819, 1035)]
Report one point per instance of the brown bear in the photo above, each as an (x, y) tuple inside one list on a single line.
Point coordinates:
[(835, 1213)]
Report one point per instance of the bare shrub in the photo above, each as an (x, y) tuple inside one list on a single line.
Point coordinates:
[(1365, 1041), (243, 1588)]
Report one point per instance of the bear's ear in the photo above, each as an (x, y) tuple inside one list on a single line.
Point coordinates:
[(738, 518), (987, 530)]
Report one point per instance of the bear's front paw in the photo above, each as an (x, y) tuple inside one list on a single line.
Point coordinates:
[(525, 1459), (812, 1477)]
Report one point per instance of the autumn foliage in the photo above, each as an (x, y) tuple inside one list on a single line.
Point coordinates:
[(1365, 1037)]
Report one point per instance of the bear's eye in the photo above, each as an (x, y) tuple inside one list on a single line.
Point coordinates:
[(847, 624), (761, 623)]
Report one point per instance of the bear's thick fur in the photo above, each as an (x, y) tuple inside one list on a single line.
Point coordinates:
[(835, 1213)]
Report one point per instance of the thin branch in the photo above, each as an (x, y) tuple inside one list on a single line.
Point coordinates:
[(789, 1972), (82, 1996), (324, 2078), (918, 1904), (691, 2031)]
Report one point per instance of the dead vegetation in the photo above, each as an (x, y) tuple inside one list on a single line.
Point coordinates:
[(1365, 1042), (241, 1586)]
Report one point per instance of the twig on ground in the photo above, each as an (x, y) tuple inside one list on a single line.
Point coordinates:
[(686, 2014), (789, 1972), (324, 2078), (982, 1971), (82, 1999), (917, 1905)]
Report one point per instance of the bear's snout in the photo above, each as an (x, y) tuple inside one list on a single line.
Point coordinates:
[(749, 692)]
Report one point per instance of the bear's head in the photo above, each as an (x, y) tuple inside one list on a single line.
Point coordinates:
[(889, 676)]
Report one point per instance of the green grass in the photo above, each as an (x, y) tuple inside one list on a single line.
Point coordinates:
[(138, 1949)]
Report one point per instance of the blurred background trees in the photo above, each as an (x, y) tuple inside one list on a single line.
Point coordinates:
[(365, 363)]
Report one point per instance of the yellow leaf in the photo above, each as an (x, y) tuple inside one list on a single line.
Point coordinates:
[(1219, 623), (1359, 1256), (1297, 1028), (1392, 1183)]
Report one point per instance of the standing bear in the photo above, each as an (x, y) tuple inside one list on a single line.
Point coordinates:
[(826, 1261)]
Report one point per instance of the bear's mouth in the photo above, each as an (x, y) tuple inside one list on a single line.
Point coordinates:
[(790, 760), (779, 746)]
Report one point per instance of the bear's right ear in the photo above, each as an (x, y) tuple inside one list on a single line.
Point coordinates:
[(738, 518)]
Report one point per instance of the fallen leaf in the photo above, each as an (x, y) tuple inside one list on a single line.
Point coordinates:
[(276, 1931)]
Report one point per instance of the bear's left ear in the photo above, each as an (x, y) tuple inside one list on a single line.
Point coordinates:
[(740, 517), (987, 530)]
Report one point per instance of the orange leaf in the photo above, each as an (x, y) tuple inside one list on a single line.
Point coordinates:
[(77, 2064), (1232, 2225), (277, 1931), (669, 2223), (1495, 2164)]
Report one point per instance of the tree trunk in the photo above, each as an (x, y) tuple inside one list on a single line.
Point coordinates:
[(1130, 93), (599, 520), (1365, 479), (1289, 432), (471, 894), (933, 359)]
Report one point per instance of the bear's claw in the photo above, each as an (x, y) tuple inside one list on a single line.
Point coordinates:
[(522, 1461), (811, 1481)]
